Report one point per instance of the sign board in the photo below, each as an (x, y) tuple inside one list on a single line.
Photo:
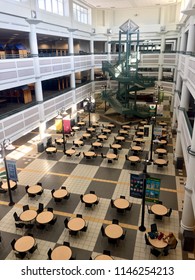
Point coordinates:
[(152, 189), (157, 131), (136, 185), (11, 169), (147, 132)]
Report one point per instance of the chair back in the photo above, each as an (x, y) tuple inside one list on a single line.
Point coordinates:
[(115, 221), (153, 227)]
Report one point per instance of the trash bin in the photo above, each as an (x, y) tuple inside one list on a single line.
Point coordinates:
[(179, 163), (40, 147), (188, 241)]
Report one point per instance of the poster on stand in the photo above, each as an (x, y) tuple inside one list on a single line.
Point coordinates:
[(152, 189), (136, 185)]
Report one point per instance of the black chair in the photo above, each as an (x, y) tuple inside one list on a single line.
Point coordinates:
[(149, 209), (15, 187), (40, 226), (123, 235), (122, 196), (40, 208), (129, 207), (78, 154), (115, 221), (153, 228), (169, 212), (85, 228), (146, 239), (66, 243), (63, 187), (20, 255), (16, 217), (52, 191), (49, 253), (13, 244), (155, 252), (26, 207), (67, 196), (66, 222), (50, 209), (53, 221), (26, 188), (34, 248), (93, 192), (19, 225), (2, 191), (107, 252), (103, 231), (112, 203), (39, 184), (79, 215), (81, 197)]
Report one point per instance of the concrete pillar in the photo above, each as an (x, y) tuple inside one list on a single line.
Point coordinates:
[(190, 42), (188, 217), (92, 57), (184, 104)]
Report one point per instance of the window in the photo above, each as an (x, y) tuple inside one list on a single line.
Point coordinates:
[(52, 6), (81, 13)]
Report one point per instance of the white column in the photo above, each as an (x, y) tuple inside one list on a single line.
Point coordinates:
[(109, 48), (188, 217), (184, 104), (92, 58), (191, 37), (34, 52), (38, 85), (183, 40)]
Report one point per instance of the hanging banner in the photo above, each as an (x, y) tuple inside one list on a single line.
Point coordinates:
[(11, 169), (136, 185), (67, 126), (152, 189)]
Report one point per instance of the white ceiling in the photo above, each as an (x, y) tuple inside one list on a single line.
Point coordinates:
[(103, 4)]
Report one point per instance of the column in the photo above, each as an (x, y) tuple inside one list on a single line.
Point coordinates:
[(92, 57), (184, 104), (191, 37), (109, 48), (160, 74), (188, 218), (38, 85)]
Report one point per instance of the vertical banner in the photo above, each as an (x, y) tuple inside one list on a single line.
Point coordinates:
[(67, 126), (12, 171), (136, 185), (58, 125), (152, 189)]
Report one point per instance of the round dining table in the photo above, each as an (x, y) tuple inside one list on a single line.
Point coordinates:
[(61, 193), (61, 252), (24, 243), (44, 217), (159, 209), (76, 224), (34, 189), (103, 257), (158, 244), (113, 231), (121, 203), (28, 215), (90, 198), (70, 152), (5, 185)]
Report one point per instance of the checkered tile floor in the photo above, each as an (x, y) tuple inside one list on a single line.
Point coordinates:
[(80, 175)]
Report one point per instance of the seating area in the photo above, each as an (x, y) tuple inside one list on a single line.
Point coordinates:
[(98, 193)]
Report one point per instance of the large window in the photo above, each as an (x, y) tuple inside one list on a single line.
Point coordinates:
[(81, 13), (53, 6)]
